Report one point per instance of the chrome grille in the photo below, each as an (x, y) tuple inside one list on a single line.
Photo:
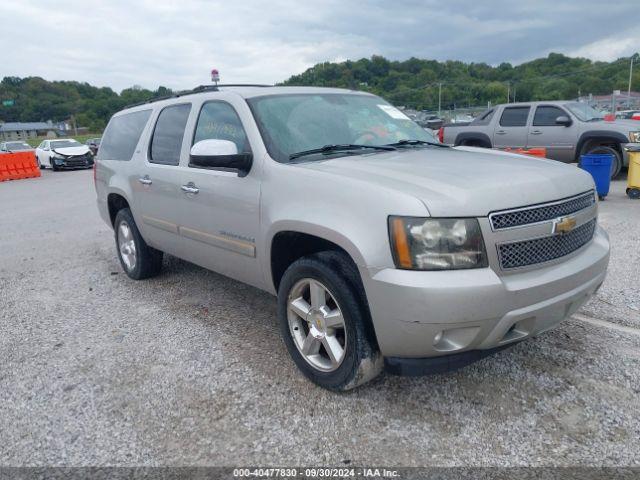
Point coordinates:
[(539, 250), (541, 213)]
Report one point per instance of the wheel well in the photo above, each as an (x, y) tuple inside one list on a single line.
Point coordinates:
[(474, 142), (287, 247), (116, 203), (600, 142)]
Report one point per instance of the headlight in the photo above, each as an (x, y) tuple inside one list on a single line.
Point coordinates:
[(634, 137), (436, 243)]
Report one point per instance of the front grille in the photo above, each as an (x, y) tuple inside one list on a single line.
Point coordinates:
[(76, 161), (540, 250), (541, 213)]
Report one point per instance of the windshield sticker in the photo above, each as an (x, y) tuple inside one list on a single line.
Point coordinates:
[(393, 112)]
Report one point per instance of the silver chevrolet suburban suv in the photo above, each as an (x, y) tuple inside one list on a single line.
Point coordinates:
[(384, 247), (566, 129)]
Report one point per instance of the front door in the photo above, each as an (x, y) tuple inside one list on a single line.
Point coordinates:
[(159, 180), (511, 130), (220, 217), (559, 140)]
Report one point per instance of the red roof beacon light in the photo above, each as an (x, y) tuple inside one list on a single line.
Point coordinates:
[(215, 76)]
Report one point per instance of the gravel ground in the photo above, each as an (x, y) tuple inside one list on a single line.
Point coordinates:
[(188, 368)]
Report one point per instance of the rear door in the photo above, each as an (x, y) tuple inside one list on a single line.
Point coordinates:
[(159, 179), (220, 216), (559, 140), (511, 129)]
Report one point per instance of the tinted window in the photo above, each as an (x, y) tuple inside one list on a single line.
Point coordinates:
[(514, 117), (167, 136), (546, 116), (122, 135), (219, 121)]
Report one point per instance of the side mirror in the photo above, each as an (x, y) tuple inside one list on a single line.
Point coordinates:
[(220, 154), (563, 120)]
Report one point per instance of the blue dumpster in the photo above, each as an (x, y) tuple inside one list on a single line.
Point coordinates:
[(599, 166)]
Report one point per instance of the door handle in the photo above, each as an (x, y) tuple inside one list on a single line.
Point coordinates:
[(145, 180), (190, 188), (501, 132), (535, 132)]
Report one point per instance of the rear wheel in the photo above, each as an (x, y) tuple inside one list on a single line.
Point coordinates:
[(138, 259), (324, 322)]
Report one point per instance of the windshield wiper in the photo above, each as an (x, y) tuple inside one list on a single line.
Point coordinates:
[(339, 148), (403, 143)]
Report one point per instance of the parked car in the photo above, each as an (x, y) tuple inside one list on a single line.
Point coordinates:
[(9, 147), (63, 154), (93, 144), (628, 114), (566, 129), (382, 247)]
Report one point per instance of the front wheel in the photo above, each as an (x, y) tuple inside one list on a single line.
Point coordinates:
[(53, 165), (616, 166), (325, 323), (138, 259)]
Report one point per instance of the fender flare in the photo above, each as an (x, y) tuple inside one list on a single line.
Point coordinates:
[(315, 230), (615, 137), (463, 136)]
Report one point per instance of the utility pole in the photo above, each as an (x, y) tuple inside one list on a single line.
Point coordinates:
[(630, 76), (439, 98), (508, 91)]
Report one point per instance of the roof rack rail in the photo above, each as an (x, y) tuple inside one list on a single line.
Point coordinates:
[(198, 89)]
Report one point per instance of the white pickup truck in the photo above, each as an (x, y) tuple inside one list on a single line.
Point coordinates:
[(566, 129)]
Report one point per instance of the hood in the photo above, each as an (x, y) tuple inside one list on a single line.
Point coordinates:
[(623, 126), (462, 182), (72, 151)]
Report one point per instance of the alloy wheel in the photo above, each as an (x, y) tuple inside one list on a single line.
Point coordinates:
[(317, 325)]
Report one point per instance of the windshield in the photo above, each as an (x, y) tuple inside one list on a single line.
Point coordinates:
[(65, 144), (18, 146), (300, 122), (584, 111)]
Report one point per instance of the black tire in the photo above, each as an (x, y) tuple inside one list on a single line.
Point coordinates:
[(39, 164), (633, 193), (148, 261), (617, 158), (53, 165), (362, 360)]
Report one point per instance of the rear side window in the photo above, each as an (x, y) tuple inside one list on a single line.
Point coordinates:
[(484, 118), (122, 135), (514, 117), (546, 116), (168, 134)]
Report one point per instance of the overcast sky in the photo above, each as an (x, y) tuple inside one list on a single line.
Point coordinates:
[(120, 43)]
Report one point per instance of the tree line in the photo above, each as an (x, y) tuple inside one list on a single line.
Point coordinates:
[(415, 83), (34, 99), (423, 84)]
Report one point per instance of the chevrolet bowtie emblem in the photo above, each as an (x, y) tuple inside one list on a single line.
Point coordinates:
[(563, 225)]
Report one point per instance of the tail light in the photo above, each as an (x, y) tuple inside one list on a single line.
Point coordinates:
[(441, 134)]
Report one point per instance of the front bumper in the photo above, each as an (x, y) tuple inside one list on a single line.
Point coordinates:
[(73, 163), (429, 314)]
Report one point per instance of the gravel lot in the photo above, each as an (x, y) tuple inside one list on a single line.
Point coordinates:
[(189, 369)]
